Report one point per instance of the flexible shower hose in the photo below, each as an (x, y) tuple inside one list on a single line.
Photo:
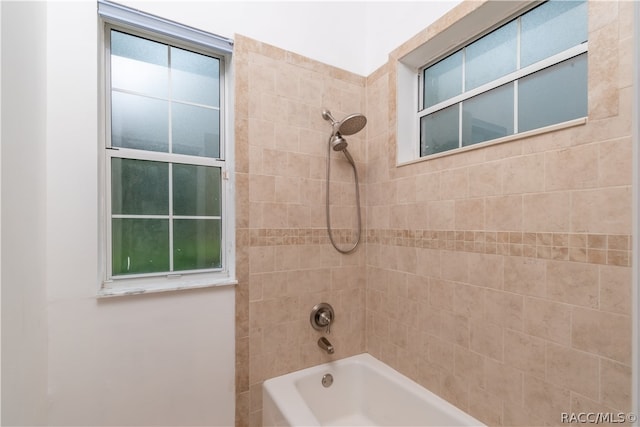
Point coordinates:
[(355, 174)]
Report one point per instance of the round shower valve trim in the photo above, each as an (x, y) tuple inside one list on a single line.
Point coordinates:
[(322, 315)]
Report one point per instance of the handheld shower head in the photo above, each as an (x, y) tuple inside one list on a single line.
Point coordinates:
[(338, 143)]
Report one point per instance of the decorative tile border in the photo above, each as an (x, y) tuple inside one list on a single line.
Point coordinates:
[(608, 249), (298, 236), (605, 249)]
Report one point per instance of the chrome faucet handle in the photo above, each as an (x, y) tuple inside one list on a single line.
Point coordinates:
[(325, 320), (322, 315)]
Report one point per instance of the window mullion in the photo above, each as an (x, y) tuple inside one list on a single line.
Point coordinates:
[(171, 217), (464, 88), (109, 217), (460, 125)]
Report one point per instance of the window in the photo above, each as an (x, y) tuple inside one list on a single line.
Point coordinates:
[(526, 74), (168, 216)]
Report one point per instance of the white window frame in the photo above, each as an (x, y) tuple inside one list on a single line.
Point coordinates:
[(116, 17), (482, 21)]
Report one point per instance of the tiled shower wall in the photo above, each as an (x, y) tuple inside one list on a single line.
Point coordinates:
[(500, 278), (285, 262)]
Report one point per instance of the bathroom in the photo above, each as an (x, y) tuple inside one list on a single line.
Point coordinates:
[(499, 277)]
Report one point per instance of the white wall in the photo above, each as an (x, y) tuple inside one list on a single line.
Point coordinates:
[(24, 330), (163, 359), (355, 36), (388, 24)]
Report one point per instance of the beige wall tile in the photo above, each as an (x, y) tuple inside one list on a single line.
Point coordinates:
[(274, 215), (441, 215), (524, 174), (469, 365), (455, 390), (602, 333), (454, 328), (485, 406), (441, 353), (615, 289), (454, 184), (485, 179), (504, 213), (545, 400), (504, 309), (454, 266), (262, 188), (441, 294), (575, 370), (573, 283), (547, 211), (525, 352), (503, 381), (614, 162), (427, 187), (429, 319), (601, 211), (526, 276), (468, 301), (615, 385), (428, 262), (571, 168), (486, 270), (518, 415), (262, 259), (469, 214), (548, 320), (603, 70), (487, 339)]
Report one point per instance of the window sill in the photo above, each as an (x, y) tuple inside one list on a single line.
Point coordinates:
[(151, 288), (572, 123)]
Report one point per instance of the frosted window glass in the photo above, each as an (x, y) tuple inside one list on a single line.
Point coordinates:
[(488, 116), (139, 122), (195, 77), (196, 244), (140, 246), (139, 187), (443, 80), (551, 28), (196, 190), (553, 95), (493, 56), (439, 131), (195, 130), (139, 65)]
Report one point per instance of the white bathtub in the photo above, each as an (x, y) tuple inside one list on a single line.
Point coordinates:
[(365, 392)]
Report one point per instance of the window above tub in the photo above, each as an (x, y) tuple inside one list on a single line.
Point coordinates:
[(522, 67)]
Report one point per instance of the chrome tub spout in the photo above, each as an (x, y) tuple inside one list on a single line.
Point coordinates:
[(324, 344)]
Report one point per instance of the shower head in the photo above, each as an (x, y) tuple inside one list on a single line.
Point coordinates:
[(338, 143), (351, 124), (348, 126)]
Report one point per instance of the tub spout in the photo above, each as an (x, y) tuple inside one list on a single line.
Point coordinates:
[(324, 344)]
